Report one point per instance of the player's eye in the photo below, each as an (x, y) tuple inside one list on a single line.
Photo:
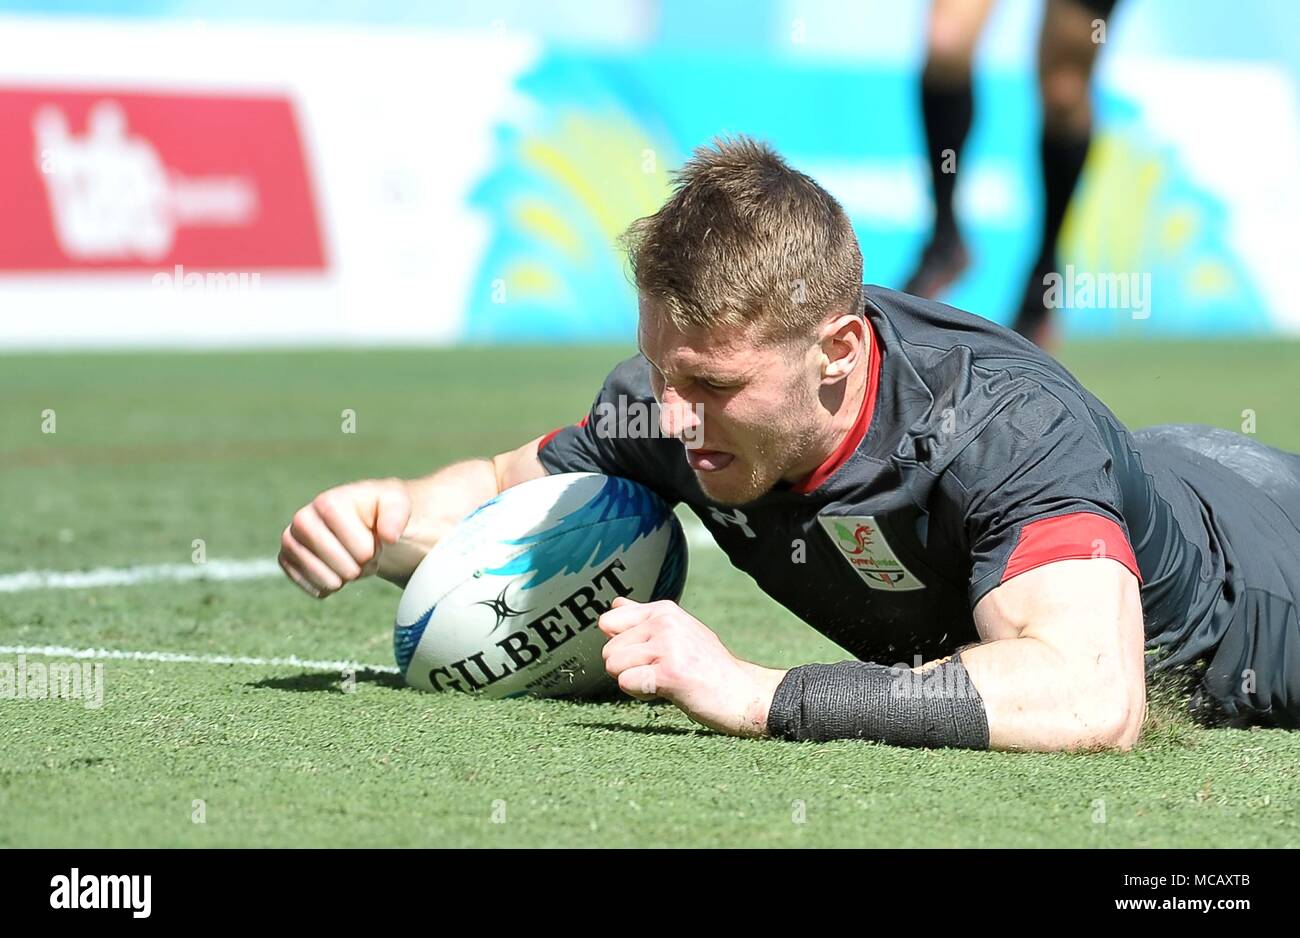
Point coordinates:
[(718, 385)]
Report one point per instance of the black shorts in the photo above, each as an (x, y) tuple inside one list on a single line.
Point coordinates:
[(1251, 498)]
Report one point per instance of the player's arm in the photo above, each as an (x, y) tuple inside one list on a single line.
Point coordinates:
[(386, 526), (1060, 667), (1061, 662)]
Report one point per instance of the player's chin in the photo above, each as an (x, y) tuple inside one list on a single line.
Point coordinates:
[(730, 486)]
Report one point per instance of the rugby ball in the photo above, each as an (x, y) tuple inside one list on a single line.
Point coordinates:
[(506, 604)]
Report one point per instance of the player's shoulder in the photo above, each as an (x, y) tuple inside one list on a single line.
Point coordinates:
[(989, 396), (630, 378), (973, 362)]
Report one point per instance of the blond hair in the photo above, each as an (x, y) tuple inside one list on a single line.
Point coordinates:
[(743, 239)]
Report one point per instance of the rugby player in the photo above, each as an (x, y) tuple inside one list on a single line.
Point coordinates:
[(927, 489)]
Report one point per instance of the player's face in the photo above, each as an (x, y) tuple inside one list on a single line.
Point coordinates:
[(745, 408)]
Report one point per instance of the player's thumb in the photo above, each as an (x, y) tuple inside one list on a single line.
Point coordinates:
[(392, 513)]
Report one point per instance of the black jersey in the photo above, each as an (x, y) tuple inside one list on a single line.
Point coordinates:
[(975, 458)]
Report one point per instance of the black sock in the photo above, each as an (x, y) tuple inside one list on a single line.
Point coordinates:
[(1062, 157), (947, 111)]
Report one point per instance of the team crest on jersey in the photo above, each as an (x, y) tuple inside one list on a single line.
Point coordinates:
[(863, 545)]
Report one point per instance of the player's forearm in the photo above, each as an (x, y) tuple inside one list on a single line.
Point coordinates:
[(439, 501), (765, 682), (1017, 693), (442, 500), (1037, 699), (869, 701)]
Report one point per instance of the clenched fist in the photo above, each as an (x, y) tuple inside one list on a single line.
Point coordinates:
[(660, 650), (339, 537)]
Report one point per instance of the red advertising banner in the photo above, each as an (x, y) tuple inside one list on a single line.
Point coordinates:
[(109, 180)]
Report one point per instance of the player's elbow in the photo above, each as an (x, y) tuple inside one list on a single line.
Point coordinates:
[(1121, 731), (1114, 717), (1117, 685), (1134, 718)]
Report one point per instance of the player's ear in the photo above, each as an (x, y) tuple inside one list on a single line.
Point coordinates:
[(843, 347)]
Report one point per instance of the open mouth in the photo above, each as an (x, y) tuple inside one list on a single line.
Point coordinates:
[(708, 460)]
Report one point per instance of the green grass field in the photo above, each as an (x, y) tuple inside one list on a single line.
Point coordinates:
[(152, 452)]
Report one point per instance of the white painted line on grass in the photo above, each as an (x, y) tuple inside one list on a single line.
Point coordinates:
[(173, 657), (142, 573)]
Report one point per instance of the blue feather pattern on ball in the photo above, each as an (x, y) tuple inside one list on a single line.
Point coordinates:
[(672, 575), (615, 518), (630, 511), (406, 637)]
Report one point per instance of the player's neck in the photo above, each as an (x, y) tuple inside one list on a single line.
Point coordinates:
[(841, 421), (845, 418)]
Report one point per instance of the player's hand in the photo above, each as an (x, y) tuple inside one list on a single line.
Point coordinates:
[(339, 536), (660, 650)]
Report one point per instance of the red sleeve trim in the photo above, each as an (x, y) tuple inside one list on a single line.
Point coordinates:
[(550, 436), (1080, 535)]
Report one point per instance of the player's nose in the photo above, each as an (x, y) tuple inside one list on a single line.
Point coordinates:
[(679, 418)]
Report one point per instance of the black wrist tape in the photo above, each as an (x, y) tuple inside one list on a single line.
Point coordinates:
[(861, 700)]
